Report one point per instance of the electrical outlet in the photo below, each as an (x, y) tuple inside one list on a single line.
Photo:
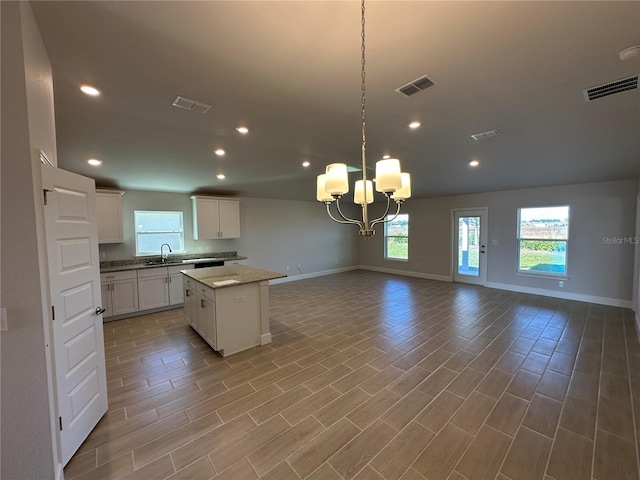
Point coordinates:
[(561, 284), (287, 268), (3, 320), (103, 255)]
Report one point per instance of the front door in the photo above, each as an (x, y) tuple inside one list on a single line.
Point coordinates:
[(470, 242), (74, 277)]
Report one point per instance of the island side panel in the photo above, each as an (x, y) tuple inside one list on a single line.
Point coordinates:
[(265, 330), (238, 321)]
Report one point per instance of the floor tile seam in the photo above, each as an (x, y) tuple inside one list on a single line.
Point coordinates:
[(597, 419), (555, 434), (474, 436), (634, 413), (167, 434)]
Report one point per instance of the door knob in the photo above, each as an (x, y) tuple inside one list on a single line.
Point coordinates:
[(100, 310)]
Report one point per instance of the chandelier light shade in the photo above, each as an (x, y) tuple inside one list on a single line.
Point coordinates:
[(359, 196), (405, 189), (390, 180)]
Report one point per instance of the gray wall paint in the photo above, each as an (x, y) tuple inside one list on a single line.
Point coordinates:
[(26, 439), (274, 234), (598, 210)]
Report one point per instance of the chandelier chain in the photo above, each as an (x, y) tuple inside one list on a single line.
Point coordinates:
[(363, 85)]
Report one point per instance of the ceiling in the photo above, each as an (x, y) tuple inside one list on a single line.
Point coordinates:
[(290, 72)]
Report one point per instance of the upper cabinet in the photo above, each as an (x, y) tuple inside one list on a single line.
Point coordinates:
[(215, 218), (109, 215)]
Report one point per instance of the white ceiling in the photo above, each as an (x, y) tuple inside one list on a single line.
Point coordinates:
[(290, 71)]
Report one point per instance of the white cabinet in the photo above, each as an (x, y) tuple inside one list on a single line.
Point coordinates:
[(153, 288), (176, 296), (215, 218), (119, 293), (109, 216), (160, 286), (205, 315)]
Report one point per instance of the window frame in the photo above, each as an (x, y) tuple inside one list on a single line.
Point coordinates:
[(136, 233), (387, 236), (537, 273)]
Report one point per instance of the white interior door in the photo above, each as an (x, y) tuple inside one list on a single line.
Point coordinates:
[(74, 274), (470, 246)]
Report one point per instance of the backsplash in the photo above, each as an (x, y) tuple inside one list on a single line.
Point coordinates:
[(172, 258)]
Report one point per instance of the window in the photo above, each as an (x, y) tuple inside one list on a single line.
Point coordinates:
[(542, 240), (396, 238), (155, 228)]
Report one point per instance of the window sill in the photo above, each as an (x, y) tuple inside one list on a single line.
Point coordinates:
[(397, 259), (544, 275)]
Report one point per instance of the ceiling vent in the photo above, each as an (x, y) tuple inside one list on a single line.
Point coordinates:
[(483, 135), (193, 105), (416, 86), (593, 93)]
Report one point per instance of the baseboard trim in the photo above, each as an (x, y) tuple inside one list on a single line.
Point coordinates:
[(59, 471), (613, 302), (304, 276), (265, 338), (427, 276)]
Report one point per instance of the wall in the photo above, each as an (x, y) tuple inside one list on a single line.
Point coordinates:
[(598, 272), (27, 437), (274, 233)]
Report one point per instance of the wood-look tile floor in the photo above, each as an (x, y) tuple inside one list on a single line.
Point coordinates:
[(375, 376)]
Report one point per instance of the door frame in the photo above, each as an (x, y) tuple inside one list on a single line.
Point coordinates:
[(483, 213)]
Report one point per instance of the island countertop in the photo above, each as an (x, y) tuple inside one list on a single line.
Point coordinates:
[(218, 277)]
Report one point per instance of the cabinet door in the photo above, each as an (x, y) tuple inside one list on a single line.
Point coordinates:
[(105, 293), (176, 295), (124, 296), (209, 322), (206, 218), (229, 218), (109, 217), (189, 296), (153, 292), (200, 315)]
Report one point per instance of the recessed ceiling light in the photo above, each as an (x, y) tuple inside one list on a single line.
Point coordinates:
[(220, 152), (306, 163), (89, 90), (243, 130), (386, 156), (474, 163), (220, 176), (94, 161), (415, 124)]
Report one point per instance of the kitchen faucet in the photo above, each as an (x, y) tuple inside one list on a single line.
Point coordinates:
[(163, 257)]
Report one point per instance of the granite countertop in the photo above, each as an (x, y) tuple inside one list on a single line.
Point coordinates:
[(218, 277), (139, 263)]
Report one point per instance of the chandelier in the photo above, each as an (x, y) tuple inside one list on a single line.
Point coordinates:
[(390, 181)]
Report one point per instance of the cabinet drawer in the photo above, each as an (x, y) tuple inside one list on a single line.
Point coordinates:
[(113, 276), (207, 292), (152, 272)]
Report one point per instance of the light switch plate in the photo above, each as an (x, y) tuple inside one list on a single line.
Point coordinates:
[(3, 320)]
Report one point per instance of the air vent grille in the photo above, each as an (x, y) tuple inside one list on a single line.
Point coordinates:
[(416, 86), (593, 93), (483, 135), (193, 105)]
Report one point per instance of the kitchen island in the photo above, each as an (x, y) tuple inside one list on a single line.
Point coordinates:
[(229, 306)]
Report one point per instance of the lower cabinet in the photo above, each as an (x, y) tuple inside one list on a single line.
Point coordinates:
[(119, 292), (200, 310), (161, 286), (228, 319)]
